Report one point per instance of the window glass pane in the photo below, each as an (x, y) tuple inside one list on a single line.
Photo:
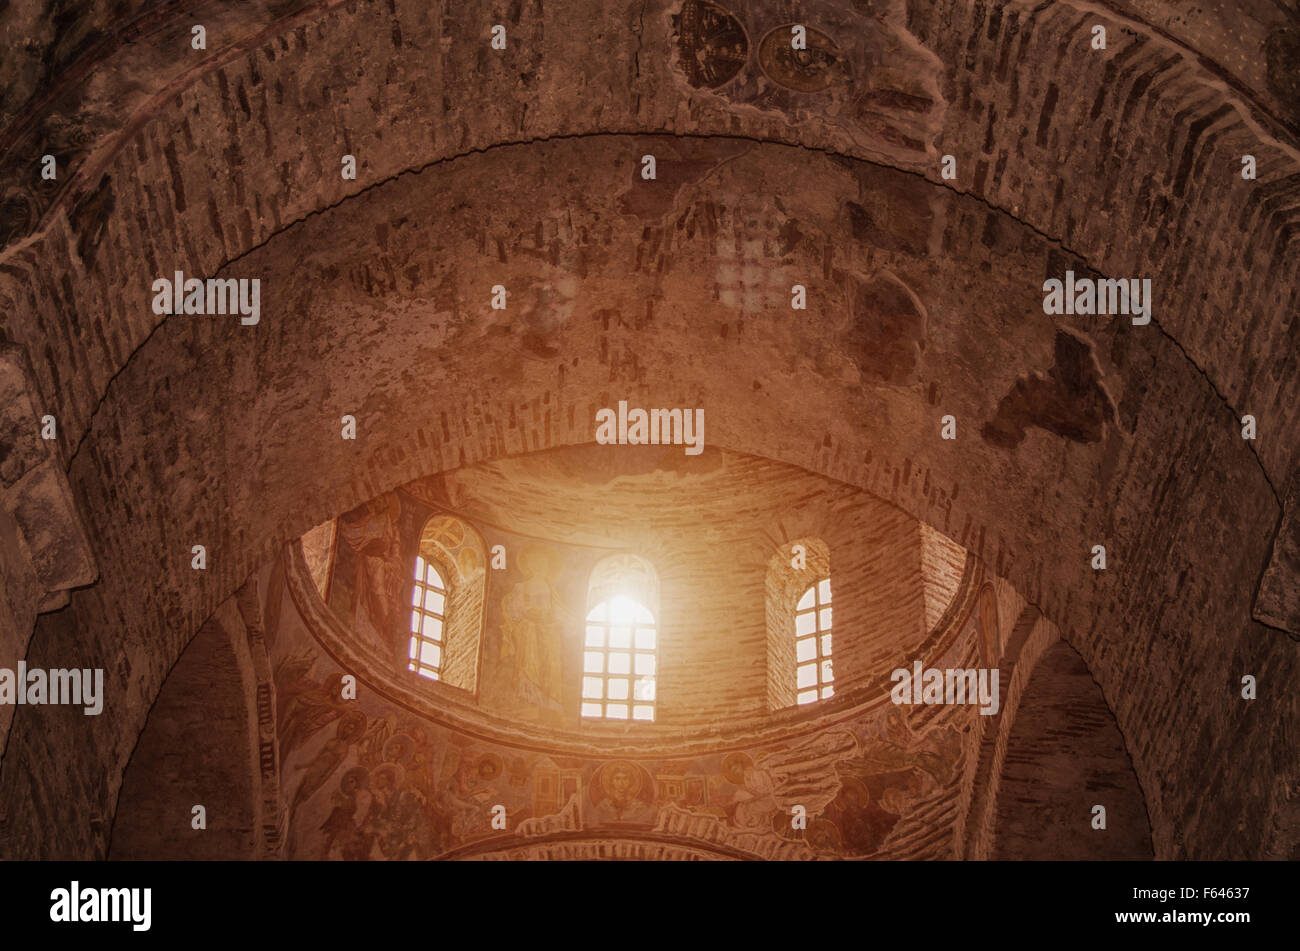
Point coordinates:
[(812, 624), (415, 643), (415, 621), (621, 625), (431, 628), (430, 654), (622, 610), (432, 577), (415, 596), (828, 692), (419, 568), (426, 672), (591, 688), (433, 601)]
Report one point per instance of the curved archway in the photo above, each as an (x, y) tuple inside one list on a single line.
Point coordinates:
[(119, 379), (271, 73), (1065, 756), (197, 760), (307, 473)]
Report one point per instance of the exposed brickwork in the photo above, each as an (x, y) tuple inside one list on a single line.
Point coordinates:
[(197, 748), (785, 585), (1126, 161), (1113, 483), (1064, 757), (254, 97)]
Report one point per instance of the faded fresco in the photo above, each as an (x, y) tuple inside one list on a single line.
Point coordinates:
[(364, 779), (528, 651), (367, 580), (533, 609), (857, 66), (367, 781)]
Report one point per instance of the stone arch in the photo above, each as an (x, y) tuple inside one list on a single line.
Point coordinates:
[(1064, 755), (1025, 640), (199, 746), (1195, 123), (877, 438), (101, 210)]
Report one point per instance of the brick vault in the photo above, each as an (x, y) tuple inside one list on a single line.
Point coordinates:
[(837, 254)]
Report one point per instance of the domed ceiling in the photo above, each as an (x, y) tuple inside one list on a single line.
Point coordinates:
[(839, 261)]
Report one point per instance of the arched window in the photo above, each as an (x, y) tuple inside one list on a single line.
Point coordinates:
[(621, 640), (428, 615), (798, 609), (447, 597), (814, 676)]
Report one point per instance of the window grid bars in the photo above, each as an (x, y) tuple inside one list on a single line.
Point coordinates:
[(633, 708), (824, 677), (427, 623)]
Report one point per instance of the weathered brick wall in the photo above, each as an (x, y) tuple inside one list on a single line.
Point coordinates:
[(942, 563), (231, 471), (198, 747), (43, 549), (211, 169), (1064, 757), (1020, 634), (464, 633)]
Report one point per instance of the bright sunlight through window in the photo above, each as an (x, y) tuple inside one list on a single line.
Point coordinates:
[(812, 644), (428, 611), (618, 661)]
